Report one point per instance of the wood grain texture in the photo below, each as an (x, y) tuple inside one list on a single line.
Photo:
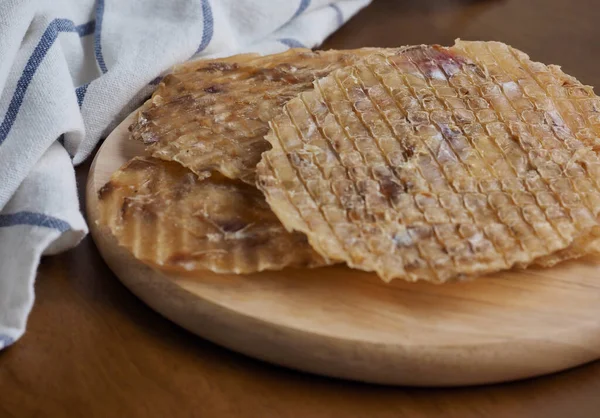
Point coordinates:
[(350, 324), (93, 349)]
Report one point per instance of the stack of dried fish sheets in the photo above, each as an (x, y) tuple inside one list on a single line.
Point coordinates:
[(422, 162)]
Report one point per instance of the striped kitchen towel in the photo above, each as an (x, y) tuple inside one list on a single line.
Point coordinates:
[(70, 70)]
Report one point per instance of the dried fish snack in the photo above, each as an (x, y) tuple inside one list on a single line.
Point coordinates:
[(439, 163), (212, 115), (170, 219)]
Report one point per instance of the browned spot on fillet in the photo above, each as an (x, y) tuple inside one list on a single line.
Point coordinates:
[(106, 190)]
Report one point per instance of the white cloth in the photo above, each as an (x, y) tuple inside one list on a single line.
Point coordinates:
[(70, 70)]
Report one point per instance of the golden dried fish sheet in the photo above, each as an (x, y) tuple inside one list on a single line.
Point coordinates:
[(169, 218), (212, 115), (439, 163)]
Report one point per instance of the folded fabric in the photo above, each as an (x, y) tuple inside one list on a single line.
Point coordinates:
[(70, 70)]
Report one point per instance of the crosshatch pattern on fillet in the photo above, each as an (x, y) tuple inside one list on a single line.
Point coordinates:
[(438, 163), (212, 115), (167, 217)]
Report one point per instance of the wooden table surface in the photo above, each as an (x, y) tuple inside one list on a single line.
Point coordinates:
[(93, 350)]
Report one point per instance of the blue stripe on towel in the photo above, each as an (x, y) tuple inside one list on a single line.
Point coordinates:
[(5, 341), (98, 36), (339, 16), (208, 26), (33, 219), (86, 28), (80, 93), (301, 8), (291, 42), (36, 58)]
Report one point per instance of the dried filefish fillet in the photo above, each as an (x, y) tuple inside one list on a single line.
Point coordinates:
[(212, 115), (438, 163), (576, 103), (169, 218)]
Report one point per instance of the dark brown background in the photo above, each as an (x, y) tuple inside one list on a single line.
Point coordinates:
[(92, 349)]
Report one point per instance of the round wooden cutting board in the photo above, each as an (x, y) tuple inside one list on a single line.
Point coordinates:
[(344, 323)]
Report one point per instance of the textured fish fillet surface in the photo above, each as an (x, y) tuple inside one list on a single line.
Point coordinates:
[(440, 163), (169, 218), (212, 115)]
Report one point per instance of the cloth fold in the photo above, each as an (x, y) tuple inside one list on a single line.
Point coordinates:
[(70, 70)]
